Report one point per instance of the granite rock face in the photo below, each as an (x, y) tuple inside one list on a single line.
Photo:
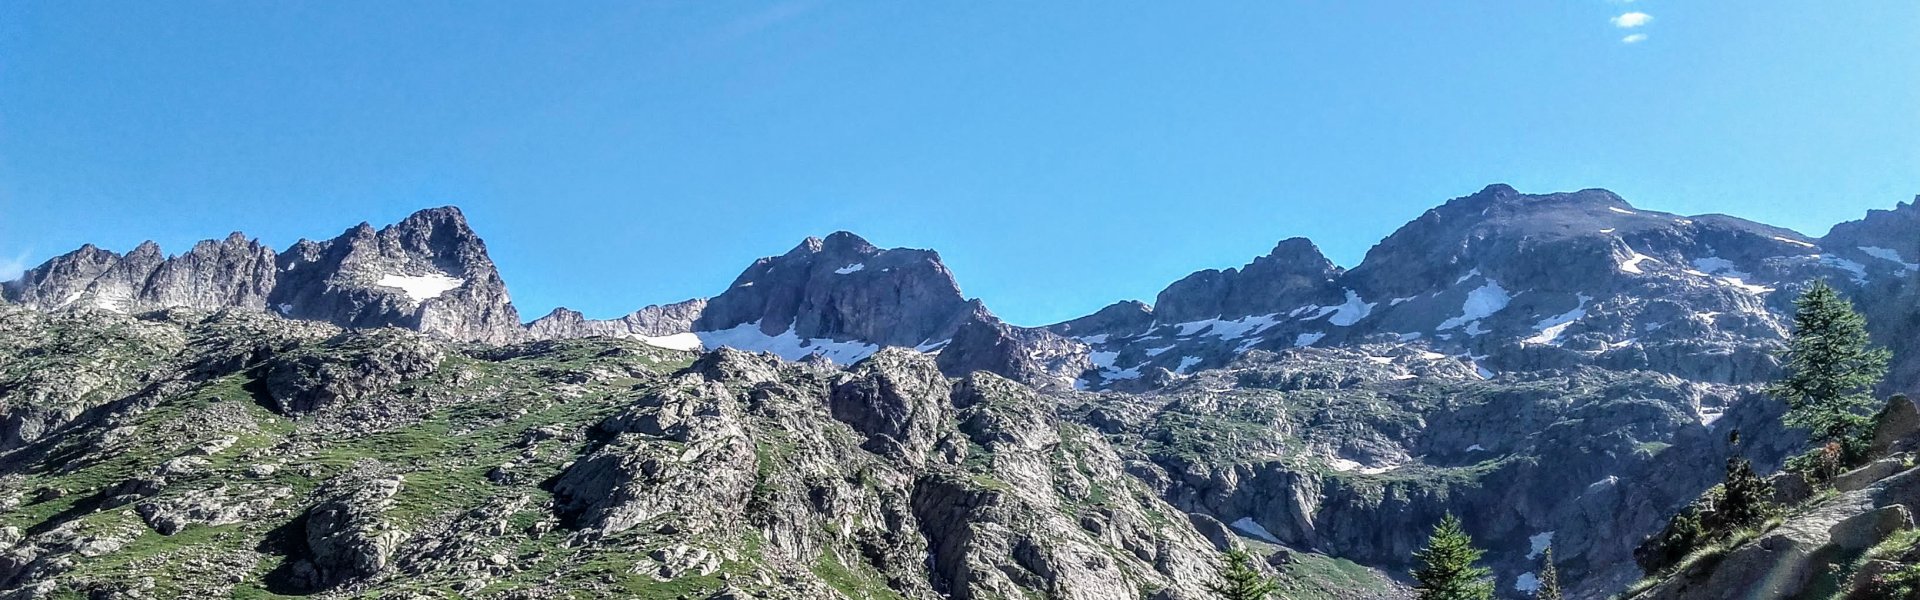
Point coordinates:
[(652, 321), (1507, 281), (843, 288), (1294, 274), (843, 299), (235, 272), (429, 273)]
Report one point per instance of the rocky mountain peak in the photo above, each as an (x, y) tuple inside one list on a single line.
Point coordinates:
[(842, 288), (1294, 274), (1126, 317), (659, 321), (429, 272)]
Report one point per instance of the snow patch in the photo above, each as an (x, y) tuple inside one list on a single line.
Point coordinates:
[(1344, 465), (1250, 527), (1352, 311), (1132, 372), (1550, 328), (678, 341), (1476, 448), (1538, 544), (1725, 271), (1858, 270), (1621, 210), (1526, 582), (1159, 351), (421, 287), (1632, 263), (1307, 339), (1397, 301), (1186, 362), (1093, 339), (1889, 254), (1228, 330), (786, 344), (1793, 241), (1481, 303), (855, 267)]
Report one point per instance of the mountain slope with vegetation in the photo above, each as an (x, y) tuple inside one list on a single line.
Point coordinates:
[(1564, 373)]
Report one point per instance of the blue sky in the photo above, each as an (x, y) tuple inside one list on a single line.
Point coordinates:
[(1060, 155)]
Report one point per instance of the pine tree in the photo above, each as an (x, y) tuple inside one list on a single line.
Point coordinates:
[(1549, 578), (1242, 580), (1447, 570), (1746, 500), (1831, 369)]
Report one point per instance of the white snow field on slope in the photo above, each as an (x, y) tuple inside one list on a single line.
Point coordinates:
[(421, 287)]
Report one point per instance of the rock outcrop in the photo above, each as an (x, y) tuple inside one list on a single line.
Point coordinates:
[(656, 321), (428, 273), (1508, 282), (842, 288), (1837, 545)]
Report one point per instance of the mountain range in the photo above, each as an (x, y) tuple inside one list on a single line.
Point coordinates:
[(1499, 280), (1555, 368)]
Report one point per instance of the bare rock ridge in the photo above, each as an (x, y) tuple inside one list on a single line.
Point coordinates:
[(1506, 281), (364, 416), (1499, 280), (842, 298), (429, 273), (649, 322), (843, 288)]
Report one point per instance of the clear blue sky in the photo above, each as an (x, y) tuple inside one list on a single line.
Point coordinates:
[(1060, 155)]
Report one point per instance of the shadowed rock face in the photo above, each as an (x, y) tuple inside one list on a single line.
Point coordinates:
[(428, 273), (1887, 244), (844, 298), (1293, 275), (843, 288)]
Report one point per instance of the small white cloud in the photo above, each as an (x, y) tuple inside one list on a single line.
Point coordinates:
[(1632, 20), (1634, 39), (11, 268)]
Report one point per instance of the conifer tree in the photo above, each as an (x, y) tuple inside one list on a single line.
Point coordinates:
[(1549, 577), (1746, 500), (1241, 581), (1447, 566), (1830, 369)]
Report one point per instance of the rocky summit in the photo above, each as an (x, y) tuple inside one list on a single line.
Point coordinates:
[(366, 416)]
